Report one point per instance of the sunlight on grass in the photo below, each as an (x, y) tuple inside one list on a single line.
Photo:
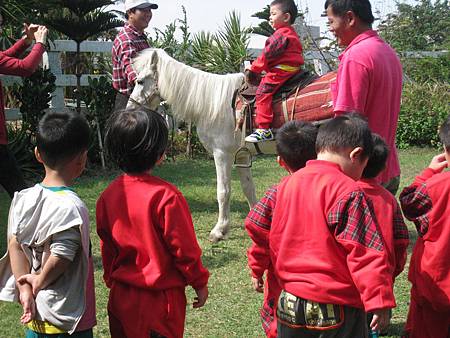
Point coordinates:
[(233, 308)]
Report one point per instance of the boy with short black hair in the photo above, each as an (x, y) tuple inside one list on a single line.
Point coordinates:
[(281, 59), (329, 254), (295, 146), (48, 234), (149, 248), (426, 202), (387, 210)]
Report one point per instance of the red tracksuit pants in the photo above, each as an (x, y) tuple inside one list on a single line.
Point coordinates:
[(264, 94), (139, 313), (425, 322)]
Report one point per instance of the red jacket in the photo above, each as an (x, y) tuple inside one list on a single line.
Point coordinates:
[(11, 65), (325, 242), (283, 47), (392, 226), (147, 236), (426, 202)]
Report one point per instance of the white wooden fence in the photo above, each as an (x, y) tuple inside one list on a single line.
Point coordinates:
[(66, 80)]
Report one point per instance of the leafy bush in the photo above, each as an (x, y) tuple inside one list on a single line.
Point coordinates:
[(435, 69), (424, 107), (34, 95)]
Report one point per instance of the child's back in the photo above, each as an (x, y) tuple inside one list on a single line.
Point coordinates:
[(148, 239), (48, 235), (386, 207), (149, 248)]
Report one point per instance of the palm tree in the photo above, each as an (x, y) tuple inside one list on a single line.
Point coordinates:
[(80, 20), (223, 52)]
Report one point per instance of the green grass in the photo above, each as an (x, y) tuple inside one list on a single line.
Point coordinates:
[(233, 307)]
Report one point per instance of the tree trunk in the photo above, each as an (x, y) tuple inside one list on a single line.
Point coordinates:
[(78, 75)]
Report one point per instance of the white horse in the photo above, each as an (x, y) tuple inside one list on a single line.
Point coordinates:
[(206, 100)]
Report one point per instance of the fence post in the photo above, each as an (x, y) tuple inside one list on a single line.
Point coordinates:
[(54, 60)]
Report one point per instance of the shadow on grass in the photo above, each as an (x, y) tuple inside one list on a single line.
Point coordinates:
[(395, 330)]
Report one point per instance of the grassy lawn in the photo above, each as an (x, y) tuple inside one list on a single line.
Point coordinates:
[(233, 307)]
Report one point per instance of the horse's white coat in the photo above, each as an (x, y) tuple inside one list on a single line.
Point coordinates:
[(206, 100)]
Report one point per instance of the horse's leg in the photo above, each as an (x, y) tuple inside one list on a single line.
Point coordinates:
[(248, 187), (223, 162)]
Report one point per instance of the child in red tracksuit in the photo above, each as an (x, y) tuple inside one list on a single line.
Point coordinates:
[(329, 254), (148, 244), (426, 202), (386, 207), (281, 59), (295, 146)]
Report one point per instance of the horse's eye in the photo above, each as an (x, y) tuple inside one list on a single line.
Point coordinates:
[(140, 82)]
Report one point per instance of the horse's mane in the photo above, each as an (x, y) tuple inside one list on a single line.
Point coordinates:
[(193, 95)]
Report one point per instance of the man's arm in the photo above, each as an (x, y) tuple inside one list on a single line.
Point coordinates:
[(128, 52)]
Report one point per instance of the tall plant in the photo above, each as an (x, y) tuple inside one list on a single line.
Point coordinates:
[(80, 20)]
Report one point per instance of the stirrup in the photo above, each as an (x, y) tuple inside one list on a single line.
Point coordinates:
[(243, 158)]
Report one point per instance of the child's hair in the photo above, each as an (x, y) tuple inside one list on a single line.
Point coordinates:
[(61, 136), (295, 143), (361, 8), (444, 133), (136, 139), (378, 158), (345, 131), (287, 6)]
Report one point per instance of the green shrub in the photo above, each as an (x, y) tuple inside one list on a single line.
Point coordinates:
[(428, 69), (424, 107)]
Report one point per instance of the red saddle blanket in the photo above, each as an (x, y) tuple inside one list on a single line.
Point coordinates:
[(312, 103)]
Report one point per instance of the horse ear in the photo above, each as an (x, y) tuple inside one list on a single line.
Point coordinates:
[(154, 60)]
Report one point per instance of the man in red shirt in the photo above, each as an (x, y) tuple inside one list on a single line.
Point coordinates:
[(369, 79), (130, 40), (10, 64), (329, 255), (426, 202)]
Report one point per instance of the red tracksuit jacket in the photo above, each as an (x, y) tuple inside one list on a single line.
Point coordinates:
[(426, 202), (325, 242), (390, 219), (147, 236)]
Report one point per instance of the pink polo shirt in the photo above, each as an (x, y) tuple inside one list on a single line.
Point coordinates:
[(369, 82)]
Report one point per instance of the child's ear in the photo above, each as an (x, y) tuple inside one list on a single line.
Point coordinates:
[(161, 159), (351, 18), (287, 17), (37, 154), (283, 164), (356, 154)]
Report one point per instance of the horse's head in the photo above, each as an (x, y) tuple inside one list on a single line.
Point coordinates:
[(145, 92)]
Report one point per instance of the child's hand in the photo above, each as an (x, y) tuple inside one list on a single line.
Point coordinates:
[(258, 284), (438, 163), (202, 296), (29, 306), (380, 320), (33, 280)]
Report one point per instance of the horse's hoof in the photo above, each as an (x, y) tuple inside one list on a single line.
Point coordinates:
[(216, 236)]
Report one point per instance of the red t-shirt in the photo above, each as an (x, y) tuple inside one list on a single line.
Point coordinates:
[(369, 82), (147, 236), (325, 243)]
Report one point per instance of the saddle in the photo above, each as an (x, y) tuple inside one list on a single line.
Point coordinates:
[(306, 96)]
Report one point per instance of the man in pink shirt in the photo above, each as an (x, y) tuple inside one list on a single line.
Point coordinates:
[(369, 79)]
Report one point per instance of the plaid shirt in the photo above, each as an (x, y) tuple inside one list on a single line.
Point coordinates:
[(126, 45), (258, 224), (352, 219), (416, 202)]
